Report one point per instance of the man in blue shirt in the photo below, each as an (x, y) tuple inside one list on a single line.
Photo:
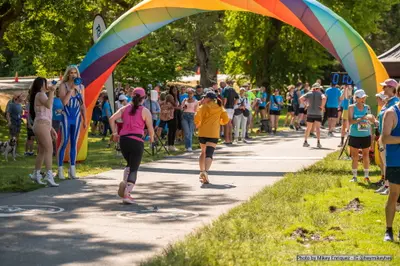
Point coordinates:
[(332, 104)]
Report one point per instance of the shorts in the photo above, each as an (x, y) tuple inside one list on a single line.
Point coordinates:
[(30, 133), (360, 142), (162, 124), (56, 125), (332, 112), (296, 109), (345, 115), (393, 175), (230, 113), (340, 109), (272, 112), (312, 119), (203, 140), (261, 107), (302, 110), (290, 109), (15, 130)]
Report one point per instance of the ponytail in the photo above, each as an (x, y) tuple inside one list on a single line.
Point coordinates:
[(219, 102), (136, 100)]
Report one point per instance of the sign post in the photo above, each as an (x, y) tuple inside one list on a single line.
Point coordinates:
[(99, 27)]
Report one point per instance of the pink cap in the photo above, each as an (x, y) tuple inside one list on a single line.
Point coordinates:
[(390, 83), (139, 91)]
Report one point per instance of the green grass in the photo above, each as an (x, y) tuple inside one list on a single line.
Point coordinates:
[(14, 176), (259, 232)]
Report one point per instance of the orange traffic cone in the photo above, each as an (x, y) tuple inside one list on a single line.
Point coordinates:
[(198, 71), (61, 76), (16, 77)]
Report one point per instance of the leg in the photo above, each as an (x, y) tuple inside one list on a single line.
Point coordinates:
[(185, 126), (365, 153), (74, 135), (171, 132), (308, 130), (210, 148), (202, 159), (272, 121), (237, 120), (191, 131), (390, 209), (354, 157), (243, 126), (317, 126), (64, 141)]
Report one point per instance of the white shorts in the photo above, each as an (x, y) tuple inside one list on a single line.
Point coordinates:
[(230, 113)]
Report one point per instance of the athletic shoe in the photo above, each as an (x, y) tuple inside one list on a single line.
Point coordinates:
[(291, 127), (319, 146), (37, 177), (385, 192), (189, 150), (341, 144), (381, 182), (381, 189), (305, 144), (205, 178), (354, 179), (128, 200), (121, 189), (388, 236), (330, 134), (172, 148), (50, 179)]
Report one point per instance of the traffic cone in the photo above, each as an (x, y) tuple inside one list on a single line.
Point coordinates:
[(198, 71), (61, 76), (16, 77)]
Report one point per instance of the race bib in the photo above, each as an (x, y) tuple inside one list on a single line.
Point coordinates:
[(363, 126)]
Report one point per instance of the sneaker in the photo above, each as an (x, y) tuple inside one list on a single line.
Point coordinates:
[(305, 144), (37, 177), (341, 144), (319, 146), (72, 172), (128, 200), (381, 189), (385, 192), (291, 127), (50, 179), (330, 134), (121, 189), (354, 179), (26, 154), (189, 150), (61, 173), (367, 180), (388, 236), (204, 178)]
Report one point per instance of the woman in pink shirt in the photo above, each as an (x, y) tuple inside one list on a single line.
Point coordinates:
[(134, 119), (41, 113), (189, 105)]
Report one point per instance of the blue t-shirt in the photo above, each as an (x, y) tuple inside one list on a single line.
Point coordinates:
[(264, 96), (276, 106), (389, 104), (183, 97), (362, 128), (58, 108), (106, 106), (333, 95)]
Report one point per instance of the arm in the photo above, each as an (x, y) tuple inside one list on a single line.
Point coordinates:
[(388, 124), (351, 112), (83, 108), (198, 116), (146, 115), (115, 117), (46, 101), (65, 94), (323, 103), (224, 118)]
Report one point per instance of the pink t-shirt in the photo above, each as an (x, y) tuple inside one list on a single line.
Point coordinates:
[(133, 124), (190, 107)]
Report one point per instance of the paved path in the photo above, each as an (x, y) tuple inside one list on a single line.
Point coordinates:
[(94, 228)]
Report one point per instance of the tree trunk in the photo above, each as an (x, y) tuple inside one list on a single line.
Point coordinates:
[(9, 13), (208, 71)]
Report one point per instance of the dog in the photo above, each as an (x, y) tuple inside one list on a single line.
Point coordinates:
[(9, 147)]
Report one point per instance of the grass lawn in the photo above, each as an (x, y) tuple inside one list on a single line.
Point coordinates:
[(294, 216), (14, 175)]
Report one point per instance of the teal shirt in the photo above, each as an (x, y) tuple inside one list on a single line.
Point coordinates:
[(363, 128)]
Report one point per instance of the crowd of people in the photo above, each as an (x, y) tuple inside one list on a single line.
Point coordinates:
[(178, 113)]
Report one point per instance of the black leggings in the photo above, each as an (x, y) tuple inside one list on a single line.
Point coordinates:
[(172, 127), (132, 150)]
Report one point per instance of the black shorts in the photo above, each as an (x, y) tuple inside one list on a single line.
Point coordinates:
[(360, 142), (296, 109), (332, 112), (203, 140), (340, 109), (30, 133), (290, 109), (261, 108), (272, 112), (312, 119), (15, 130), (302, 110), (393, 175)]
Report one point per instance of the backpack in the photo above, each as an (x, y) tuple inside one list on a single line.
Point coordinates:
[(265, 126)]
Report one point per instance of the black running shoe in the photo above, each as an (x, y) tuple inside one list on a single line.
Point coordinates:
[(388, 236)]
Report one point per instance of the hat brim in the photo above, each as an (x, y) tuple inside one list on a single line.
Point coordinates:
[(383, 84)]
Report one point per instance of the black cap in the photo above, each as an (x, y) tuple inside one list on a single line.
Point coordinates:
[(211, 95)]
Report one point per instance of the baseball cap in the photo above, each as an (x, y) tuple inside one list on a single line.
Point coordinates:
[(139, 91), (316, 86), (211, 95), (390, 83), (122, 98), (381, 95), (360, 94)]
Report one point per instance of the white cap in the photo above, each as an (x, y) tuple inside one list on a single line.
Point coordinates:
[(122, 98), (381, 95), (360, 94)]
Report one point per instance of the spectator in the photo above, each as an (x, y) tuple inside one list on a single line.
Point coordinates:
[(190, 106), (14, 112), (241, 114), (332, 104), (230, 97)]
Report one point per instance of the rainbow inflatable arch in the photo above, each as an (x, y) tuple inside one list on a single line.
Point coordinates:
[(311, 17)]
